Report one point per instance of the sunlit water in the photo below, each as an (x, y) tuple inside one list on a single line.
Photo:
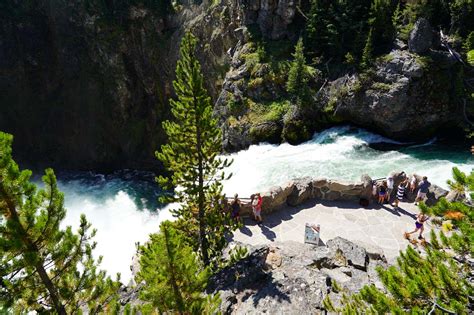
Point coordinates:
[(123, 207)]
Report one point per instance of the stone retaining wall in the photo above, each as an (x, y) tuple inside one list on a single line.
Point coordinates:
[(305, 189)]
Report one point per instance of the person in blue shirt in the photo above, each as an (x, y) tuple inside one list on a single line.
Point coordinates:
[(423, 189)]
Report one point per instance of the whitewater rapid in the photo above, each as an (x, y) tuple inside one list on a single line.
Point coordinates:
[(342, 153), (124, 215)]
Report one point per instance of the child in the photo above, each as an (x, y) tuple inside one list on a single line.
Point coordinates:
[(400, 192), (421, 218)]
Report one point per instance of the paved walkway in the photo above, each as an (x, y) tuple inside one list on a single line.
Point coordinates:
[(379, 226)]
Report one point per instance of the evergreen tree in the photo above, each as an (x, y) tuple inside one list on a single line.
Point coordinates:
[(382, 24), (194, 142), (298, 76), (367, 54), (315, 27), (173, 280), (41, 266)]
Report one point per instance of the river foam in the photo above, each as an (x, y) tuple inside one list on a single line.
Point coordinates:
[(124, 210), (339, 153)]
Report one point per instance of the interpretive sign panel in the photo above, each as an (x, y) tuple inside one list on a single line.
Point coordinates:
[(311, 234)]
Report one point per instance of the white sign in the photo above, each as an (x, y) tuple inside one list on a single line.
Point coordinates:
[(311, 234)]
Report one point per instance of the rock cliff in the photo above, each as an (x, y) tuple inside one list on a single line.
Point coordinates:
[(83, 89)]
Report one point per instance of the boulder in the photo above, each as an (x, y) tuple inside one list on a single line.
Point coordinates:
[(421, 37), (434, 194), (302, 191), (280, 195), (356, 255)]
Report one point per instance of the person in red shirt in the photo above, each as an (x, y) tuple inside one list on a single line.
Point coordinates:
[(258, 209)]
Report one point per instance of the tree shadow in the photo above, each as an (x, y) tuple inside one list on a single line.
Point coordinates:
[(270, 289), (249, 277)]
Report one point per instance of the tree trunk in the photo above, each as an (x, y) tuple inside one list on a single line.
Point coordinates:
[(31, 246), (201, 215), (174, 284)]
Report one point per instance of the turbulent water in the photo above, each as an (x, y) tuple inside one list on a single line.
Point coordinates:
[(124, 209)]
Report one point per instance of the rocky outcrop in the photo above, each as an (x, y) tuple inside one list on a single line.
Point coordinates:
[(293, 278), (421, 37), (406, 97)]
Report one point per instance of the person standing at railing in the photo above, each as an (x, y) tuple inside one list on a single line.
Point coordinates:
[(235, 205)]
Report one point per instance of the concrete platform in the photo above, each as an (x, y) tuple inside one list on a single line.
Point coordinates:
[(382, 226)]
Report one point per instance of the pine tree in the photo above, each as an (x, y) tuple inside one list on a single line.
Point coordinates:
[(194, 142), (42, 266), (435, 282), (298, 76), (173, 280), (382, 24), (367, 54)]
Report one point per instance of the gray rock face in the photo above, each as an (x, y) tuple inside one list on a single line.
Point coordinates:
[(403, 99), (292, 278), (354, 254), (421, 37)]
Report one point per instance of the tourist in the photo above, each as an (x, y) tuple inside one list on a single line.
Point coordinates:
[(382, 192), (390, 184), (421, 218), (259, 208), (235, 206), (413, 184), (253, 203), (374, 190), (401, 192), (422, 190)]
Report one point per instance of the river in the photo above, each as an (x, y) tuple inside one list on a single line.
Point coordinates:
[(123, 206)]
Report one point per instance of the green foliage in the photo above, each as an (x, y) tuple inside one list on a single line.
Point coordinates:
[(470, 57), (381, 25), (367, 54), (194, 143), (468, 44), (335, 28), (236, 254), (381, 86), (349, 59), (434, 282), (460, 181), (42, 266), (299, 75), (462, 17), (173, 280)]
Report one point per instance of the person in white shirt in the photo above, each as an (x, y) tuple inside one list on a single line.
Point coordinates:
[(390, 184)]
